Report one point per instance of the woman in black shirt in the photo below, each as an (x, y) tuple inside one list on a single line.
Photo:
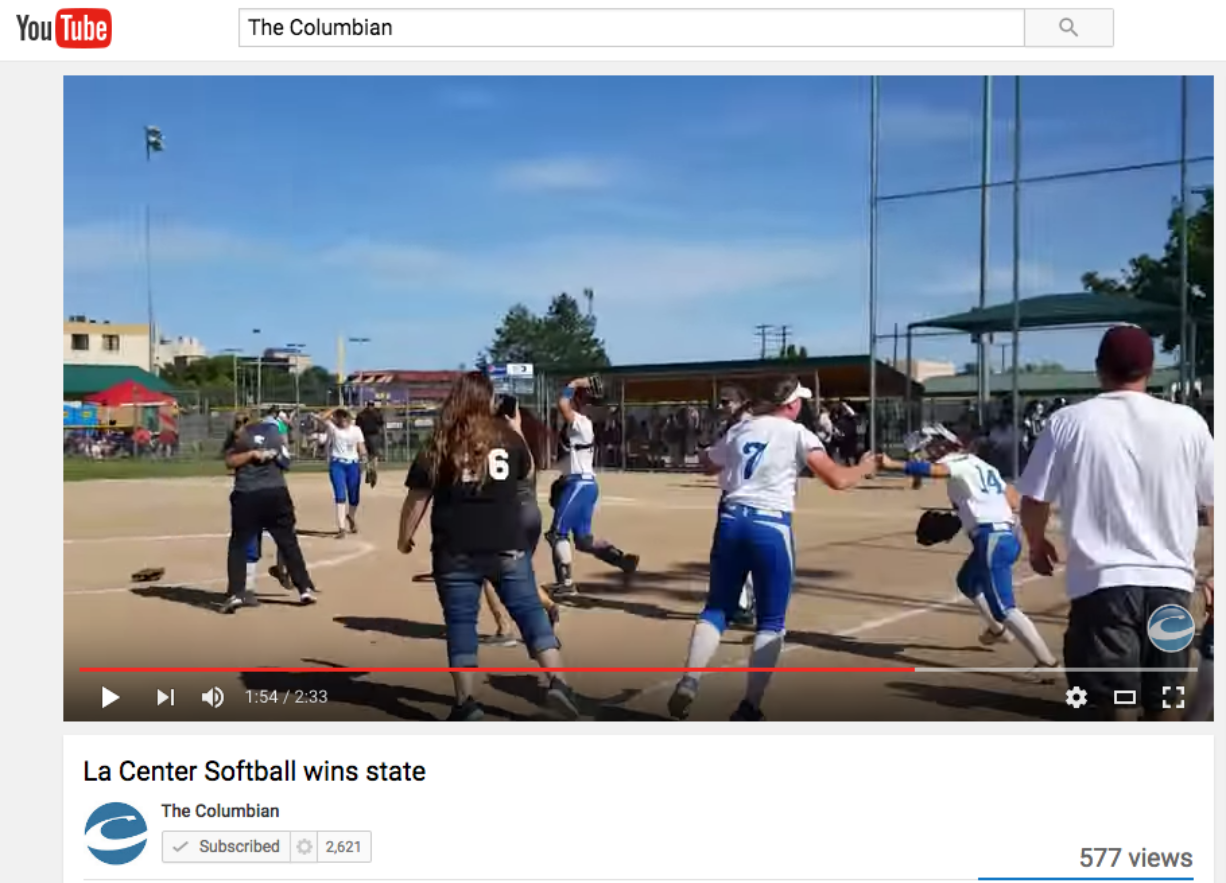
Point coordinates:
[(471, 469)]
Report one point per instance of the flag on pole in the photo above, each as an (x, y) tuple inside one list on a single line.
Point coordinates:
[(153, 141)]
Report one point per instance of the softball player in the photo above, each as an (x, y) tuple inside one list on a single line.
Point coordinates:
[(346, 453), (759, 462), (985, 503), (575, 493)]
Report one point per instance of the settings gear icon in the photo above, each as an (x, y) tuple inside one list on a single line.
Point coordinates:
[(305, 846), (1076, 697)]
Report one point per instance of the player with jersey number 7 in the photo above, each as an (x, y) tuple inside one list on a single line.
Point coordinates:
[(759, 461)]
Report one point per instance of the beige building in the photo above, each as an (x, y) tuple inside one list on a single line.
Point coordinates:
[(98, 342), (179, 351), (922, 370)]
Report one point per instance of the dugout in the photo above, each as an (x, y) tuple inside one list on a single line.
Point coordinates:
[(658, 390), (1045, 312)]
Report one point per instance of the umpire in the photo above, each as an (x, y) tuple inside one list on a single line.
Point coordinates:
[(259, 502), (1128, 472)]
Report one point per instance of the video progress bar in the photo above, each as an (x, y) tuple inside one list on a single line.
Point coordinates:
[(891, 669)]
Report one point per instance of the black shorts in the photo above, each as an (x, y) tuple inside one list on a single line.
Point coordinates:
[(1109, 629), (374, 445)]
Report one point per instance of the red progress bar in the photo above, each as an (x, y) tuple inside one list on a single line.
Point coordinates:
[(435, 670)]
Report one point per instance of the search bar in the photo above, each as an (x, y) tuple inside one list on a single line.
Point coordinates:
[(675, 28)]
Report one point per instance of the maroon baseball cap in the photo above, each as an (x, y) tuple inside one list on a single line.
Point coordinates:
[(1126, 354)]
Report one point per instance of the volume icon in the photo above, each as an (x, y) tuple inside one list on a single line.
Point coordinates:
[(213, 697)]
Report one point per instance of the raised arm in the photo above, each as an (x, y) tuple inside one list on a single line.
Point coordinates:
[(565, 404)]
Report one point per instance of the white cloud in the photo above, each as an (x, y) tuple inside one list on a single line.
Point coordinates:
[(923, 124), (105, 246), (557, 173), (621, 270), (962, 281)]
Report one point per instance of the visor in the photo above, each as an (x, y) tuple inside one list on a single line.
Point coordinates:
[(800, 393)]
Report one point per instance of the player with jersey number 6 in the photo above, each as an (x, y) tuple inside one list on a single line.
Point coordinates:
[(985, 504), (472, 469), (346, 447), (759, 461)]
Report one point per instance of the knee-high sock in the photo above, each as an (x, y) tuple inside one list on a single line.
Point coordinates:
[(766, 649), (563, 557), (1023, 629), (985, 613), (342, 509), (704, 641), (746, 600)]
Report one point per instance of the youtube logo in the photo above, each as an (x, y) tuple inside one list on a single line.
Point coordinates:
[(73, 28), (83, 28)]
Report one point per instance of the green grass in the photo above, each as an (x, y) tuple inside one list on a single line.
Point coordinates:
[(79, 469)]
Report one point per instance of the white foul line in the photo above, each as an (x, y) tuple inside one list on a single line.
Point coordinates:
[(869, 626), (153, 539), (362, 548)]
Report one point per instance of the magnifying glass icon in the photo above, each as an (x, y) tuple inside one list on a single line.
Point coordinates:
[(1066, 25)]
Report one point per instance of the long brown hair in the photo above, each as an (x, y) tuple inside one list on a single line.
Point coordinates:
[(536, 435), (466, 432)]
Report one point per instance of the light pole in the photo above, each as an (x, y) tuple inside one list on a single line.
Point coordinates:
[(233, 352), (295, 368), (259, 371), (153, 144), (341, 340)]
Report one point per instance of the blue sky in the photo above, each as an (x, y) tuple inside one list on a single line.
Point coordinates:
[(415, 210)]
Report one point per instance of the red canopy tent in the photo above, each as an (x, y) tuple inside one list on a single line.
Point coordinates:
[(127, 394)]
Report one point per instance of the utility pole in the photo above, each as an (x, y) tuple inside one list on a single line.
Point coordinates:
[(784, 331), (763, 331)]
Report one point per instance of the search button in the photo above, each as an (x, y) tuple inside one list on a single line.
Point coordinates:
[(1070, 28)]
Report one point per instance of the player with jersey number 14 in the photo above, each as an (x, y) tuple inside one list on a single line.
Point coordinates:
[(985, 504)]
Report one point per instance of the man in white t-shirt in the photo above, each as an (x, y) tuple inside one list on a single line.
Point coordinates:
[(573, 496), (1128, 473)]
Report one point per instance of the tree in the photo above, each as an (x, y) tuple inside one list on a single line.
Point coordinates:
[(562, 337), (792, 353), (1157, 280)]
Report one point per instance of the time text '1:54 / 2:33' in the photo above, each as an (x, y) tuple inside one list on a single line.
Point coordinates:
[(288, 697)]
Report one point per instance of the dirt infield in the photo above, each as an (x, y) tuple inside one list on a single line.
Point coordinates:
[(866, 596)]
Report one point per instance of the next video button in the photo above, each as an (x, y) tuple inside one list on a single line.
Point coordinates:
[(226, 846)]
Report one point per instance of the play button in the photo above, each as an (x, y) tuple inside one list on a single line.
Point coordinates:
[(108, 697)]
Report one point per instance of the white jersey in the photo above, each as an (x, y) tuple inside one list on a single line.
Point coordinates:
[(580, 441), (343, 443), (761, 460), (977, 491)]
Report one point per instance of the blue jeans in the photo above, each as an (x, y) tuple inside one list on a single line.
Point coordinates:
[(459, 580)]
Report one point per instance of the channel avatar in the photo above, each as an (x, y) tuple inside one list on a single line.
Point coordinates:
[(116, 833)]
